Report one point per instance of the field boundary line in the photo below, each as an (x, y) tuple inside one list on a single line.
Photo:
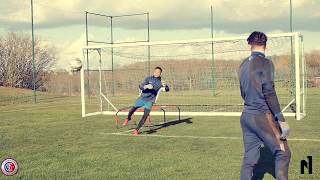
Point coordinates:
[(200, 137)]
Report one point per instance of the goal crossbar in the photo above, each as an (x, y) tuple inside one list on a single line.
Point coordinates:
[(204, 40)]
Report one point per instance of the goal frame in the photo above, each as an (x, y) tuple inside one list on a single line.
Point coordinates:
[(300, 84)]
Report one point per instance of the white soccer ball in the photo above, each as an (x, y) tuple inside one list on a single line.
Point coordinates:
[(76, 65)]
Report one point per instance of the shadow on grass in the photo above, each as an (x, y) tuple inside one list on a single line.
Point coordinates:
[(157, 127), (266, 164)]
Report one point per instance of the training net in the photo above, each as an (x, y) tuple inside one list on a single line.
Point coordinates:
[(202, 75)]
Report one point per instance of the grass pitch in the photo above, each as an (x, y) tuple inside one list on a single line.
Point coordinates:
[(50, 140)]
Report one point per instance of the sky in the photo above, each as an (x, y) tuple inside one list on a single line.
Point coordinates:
[(61, 23)]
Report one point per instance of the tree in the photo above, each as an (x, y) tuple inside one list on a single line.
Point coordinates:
[(16, 60)]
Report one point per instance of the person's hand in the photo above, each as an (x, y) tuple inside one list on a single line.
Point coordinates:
[(285, 129), (148, 86)]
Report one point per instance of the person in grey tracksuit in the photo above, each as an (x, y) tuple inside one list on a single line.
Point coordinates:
[(261, 121)]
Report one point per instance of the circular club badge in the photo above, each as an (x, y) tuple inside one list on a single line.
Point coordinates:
[(9, 167)]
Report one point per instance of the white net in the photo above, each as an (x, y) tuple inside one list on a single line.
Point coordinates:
[(202, 75)]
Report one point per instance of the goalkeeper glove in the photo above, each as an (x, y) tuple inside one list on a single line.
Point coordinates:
[(285, 129), (148, 86), (163, 83)]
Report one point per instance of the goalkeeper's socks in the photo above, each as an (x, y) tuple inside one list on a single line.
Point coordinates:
[(143, 119), (132, 110)]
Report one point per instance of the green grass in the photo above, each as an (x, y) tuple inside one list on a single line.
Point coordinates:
[(51, 141)]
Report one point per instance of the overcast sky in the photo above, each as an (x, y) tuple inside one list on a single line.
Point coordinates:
[(61, 22)]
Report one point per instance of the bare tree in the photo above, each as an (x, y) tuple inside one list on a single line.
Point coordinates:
[(16, 61)]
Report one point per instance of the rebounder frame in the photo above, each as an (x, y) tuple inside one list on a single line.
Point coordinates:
[(300, 92)]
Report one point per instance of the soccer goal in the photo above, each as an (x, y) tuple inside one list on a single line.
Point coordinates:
[(202, 75)]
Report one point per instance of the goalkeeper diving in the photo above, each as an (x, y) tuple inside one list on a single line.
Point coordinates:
[(150, 88)]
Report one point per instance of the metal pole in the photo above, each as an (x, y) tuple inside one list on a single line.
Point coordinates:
[(100, 81), (112, 68), (86, 27), (291, 55), (124, 15), (212, 56), (87, 54), (83, 104), (291, 25), (148, 21), (297, 76), (304, 75), (33, 57)]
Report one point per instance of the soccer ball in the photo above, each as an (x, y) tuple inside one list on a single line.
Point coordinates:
[(76, 65)]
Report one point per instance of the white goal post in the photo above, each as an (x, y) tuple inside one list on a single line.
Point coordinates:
[(202, 74)]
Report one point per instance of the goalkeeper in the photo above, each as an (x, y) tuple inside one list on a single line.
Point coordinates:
[(150, 88), (261, 121)]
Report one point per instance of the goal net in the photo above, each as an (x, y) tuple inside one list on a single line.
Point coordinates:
[(202, 75)]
